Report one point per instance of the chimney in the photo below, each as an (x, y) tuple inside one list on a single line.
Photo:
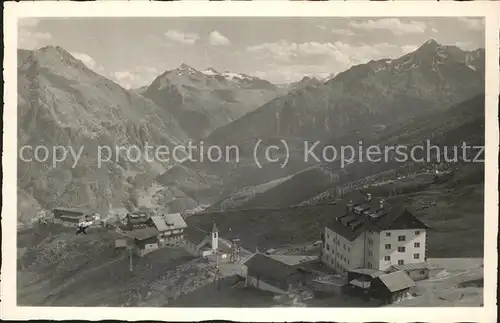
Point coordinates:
[(382, 202), (349, 206)]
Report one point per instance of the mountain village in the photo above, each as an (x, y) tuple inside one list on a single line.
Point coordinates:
[(369, 250)]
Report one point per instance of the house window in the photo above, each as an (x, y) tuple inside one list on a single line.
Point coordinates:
[(387, 234), (370, 253), (348, 262), (416, 256), (369, 266), (344, 246), (422, 272), (401, 249), (388, 246), (401, 262), (348, 249), (401, 238), (416, 244), (387, 258), (327, 247), (417, 233)]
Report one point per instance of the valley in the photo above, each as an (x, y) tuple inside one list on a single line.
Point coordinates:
[(433, 94)]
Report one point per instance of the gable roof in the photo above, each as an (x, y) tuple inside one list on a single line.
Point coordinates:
[(66, 212), (414, 266), (364, 215), (70, 218), (142, 234), (396, 281), (170, 221), (373, 273)]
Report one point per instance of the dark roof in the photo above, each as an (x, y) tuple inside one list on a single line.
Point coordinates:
[(268, 269), (367, 272), (138, 218), (369, 215), (142, 234), (396, 281), (171, 221), (414, 266), (71, 218), (60, 211)]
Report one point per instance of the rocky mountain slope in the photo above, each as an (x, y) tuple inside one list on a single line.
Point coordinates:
[(450, 128), (62, 103), (202, 101), (384, 91), (355, 104)]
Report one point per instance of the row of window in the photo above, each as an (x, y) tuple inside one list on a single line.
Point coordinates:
[(337, 241), (415, 256), (403, 237), (337, 265), (348, 249), (402, 249), (400, 262), (341, 256)]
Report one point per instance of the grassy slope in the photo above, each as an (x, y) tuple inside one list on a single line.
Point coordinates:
[(455, 215), (60, 268)]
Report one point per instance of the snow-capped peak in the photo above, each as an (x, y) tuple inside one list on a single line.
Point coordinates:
[(210, 71), (232, 76), (184, 66)]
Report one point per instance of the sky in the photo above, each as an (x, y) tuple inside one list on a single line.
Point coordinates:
[(134, 51)]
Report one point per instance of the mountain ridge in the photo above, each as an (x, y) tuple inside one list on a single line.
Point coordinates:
[(204, 100)]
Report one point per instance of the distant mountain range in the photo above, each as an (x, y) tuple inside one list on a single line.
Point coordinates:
[(357, 103), (202, 101), (62, 102), (379, 92)]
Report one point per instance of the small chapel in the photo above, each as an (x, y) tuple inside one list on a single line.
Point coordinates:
[(204, 243)]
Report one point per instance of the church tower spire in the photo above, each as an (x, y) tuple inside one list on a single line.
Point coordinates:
[(215, 236)]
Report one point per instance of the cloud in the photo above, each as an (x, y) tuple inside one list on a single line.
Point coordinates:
[(475, 24), (342, 53), (339, 31), (85, 58), (281, 50), (217, 39), (89, 62), (30, 38), (408, 49), (136, 77), (343, 32), (290, 61), (467, 45), (394, 25), (293, 73), (181, 37)]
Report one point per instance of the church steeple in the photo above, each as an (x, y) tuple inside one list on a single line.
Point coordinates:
[(214, 227), (215, 236)]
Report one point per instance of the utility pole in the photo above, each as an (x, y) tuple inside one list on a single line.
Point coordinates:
[(131, 265)]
